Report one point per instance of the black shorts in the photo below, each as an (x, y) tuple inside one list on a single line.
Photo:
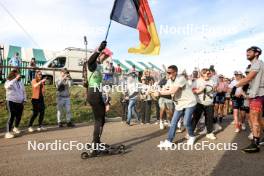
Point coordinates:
[(263, 111), (245, 108), (238, 103)]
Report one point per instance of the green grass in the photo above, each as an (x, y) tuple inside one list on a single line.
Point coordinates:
[(80, 112)]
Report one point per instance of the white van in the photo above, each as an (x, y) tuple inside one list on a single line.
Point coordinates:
[(72, 59)]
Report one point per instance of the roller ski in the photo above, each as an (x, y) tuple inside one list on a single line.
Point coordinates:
[(106, 150)]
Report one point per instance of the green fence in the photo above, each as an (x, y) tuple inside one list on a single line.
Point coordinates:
[(24, 72)]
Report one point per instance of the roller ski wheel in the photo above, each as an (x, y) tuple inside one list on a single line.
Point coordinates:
[(122, 149), (114, 150), (85, 155)]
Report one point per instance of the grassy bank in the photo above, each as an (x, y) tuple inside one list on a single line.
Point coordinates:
[(80, 112)]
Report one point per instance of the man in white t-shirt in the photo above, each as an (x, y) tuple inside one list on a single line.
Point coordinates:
[(255, 78), (185, 103)]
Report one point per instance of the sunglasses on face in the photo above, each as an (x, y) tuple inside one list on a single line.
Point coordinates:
[(169, 73)]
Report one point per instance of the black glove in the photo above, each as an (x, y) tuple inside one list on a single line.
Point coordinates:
[(233, 92), (245, 87), (102, 46)]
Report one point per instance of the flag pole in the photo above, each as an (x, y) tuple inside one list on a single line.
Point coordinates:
[(107, 32)]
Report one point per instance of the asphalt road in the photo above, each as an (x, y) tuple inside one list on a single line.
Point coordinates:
[(143, 157)]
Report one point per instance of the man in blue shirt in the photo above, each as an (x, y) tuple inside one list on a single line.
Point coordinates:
[(15, 61)]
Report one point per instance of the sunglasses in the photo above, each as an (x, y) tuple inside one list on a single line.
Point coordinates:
[(169, 73)]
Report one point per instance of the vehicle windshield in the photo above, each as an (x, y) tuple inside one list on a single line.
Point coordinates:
[(59, 62)]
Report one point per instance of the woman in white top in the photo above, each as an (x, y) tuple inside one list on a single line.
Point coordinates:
[(15, 98)]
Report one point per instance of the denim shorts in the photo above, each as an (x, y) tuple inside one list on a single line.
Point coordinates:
[(219, 99)]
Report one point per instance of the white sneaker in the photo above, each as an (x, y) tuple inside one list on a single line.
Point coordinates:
[(16, 130), (211, 136), (217, 127), (180, 130), (161, 125), (157, 122), (165, 122), (166, 144), (191, 140), (9, 135), (243, 126), (250, 136), (203, 132), (233, 122), (237, 130), (30, 129), (187, 136), (168, 123), (41, 128)]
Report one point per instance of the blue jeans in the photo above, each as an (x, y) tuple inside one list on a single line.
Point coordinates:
[(132, 109), (31, 75), (188, 112)]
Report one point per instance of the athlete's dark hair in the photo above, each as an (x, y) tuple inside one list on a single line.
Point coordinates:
[(173, 67)]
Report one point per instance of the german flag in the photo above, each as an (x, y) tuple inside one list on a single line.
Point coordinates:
[(137, 14)]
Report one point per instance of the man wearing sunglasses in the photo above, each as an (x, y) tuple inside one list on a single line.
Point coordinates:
[(185, 103)]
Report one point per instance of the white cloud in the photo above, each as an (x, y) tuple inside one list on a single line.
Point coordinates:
[(56, 24)]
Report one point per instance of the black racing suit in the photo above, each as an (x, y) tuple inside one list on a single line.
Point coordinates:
[(95, 99)]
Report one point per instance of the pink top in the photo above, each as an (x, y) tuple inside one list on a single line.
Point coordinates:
[(222, 87)]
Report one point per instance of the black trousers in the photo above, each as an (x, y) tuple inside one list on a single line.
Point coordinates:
[(38, 110), (124, 109), (157, 109), (146, 111), (95, 99), (208, 113), (15, 111)]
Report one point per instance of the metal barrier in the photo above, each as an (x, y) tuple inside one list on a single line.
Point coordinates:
[(24, 69)]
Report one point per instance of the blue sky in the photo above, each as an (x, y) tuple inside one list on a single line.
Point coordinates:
[(193, 33)]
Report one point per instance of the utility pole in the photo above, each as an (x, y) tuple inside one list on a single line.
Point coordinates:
[(85, 44), (1, 61)]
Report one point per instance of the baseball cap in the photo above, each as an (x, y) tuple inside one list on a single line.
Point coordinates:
[(238, 73)]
